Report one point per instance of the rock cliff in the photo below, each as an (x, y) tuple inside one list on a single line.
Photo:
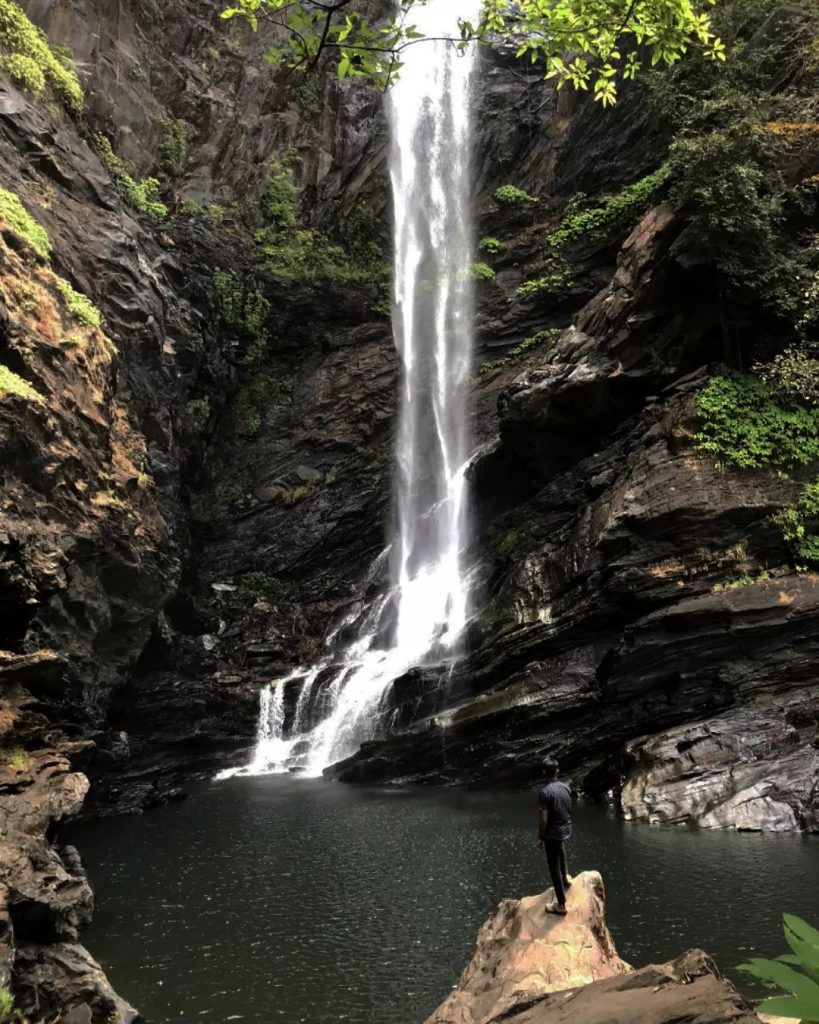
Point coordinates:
[(196, 408)]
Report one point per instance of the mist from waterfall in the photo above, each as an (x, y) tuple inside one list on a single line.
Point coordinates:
[(424, 612)]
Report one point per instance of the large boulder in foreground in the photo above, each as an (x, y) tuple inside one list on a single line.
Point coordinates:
[(530, 967), (523, 953), (687, 990)]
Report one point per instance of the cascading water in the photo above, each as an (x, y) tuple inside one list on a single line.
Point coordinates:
[(433, 324)]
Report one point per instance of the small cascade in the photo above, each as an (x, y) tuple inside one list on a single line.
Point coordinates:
[(421, 618)]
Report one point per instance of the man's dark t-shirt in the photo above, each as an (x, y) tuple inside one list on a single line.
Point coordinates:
[(556, 799)]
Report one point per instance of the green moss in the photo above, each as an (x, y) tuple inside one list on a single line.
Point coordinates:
[(489, 244), (199, 411), (383, 306), (308, 96), (538, 340), (244, 310), (174, 147), (22, 223), (211, 211), (510, 195), (509, 543), (744, 581), (142, 195), (303, 253), (279, 202), (296, 494), (12, 384), (481, 272), (78, 304), (65, 55), (242, 307), (17, 758), (214, 509), (27, 57), (261, 586), (71, 341), (25, 71), (744, 423), (263, 391), (8, 1012), (615, 214), (553, 283)]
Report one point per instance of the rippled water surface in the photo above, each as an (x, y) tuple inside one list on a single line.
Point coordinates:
[(274, 899)]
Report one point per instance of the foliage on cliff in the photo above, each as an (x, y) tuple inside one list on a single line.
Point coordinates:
[(19, 220), (747, 425), (576, 43), (583, 224), (26, 56), (742, 159), (294, 249), (39, 297), (141, 194), (799, 523), (793, 374)]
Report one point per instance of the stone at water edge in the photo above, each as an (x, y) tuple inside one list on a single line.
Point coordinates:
[(522, 953)]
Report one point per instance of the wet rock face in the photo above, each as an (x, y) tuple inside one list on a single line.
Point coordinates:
[(533, 968), (749, 768), (610, 555)]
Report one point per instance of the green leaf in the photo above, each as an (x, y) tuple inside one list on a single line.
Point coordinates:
[(787, 1006), (785, 977), (801, 929)]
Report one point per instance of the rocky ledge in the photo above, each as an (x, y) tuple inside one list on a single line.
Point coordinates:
[(533, 968), (45, 898)]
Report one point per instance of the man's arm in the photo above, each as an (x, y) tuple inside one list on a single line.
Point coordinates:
[(542, 821)]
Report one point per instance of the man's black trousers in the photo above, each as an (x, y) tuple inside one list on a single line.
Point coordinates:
[(556, 859)]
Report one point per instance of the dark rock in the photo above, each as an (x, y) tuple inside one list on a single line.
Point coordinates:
[(609, 609), (65, 978)]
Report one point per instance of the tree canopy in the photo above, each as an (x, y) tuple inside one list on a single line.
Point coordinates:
[(588, 44)]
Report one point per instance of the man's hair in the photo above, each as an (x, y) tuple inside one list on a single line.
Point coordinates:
[(550, 769)]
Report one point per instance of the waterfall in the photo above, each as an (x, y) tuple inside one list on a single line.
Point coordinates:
[(433, 323), (433, 316)]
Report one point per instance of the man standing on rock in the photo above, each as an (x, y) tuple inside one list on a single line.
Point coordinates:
[(554, 828)]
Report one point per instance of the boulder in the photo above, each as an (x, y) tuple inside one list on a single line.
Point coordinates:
[(530, 967), (65, 978), (524, 953), (688, 989)]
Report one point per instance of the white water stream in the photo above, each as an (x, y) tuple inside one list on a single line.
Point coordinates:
[(433, 315)]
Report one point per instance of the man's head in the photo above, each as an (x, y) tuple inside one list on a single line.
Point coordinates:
[(550, 770)]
